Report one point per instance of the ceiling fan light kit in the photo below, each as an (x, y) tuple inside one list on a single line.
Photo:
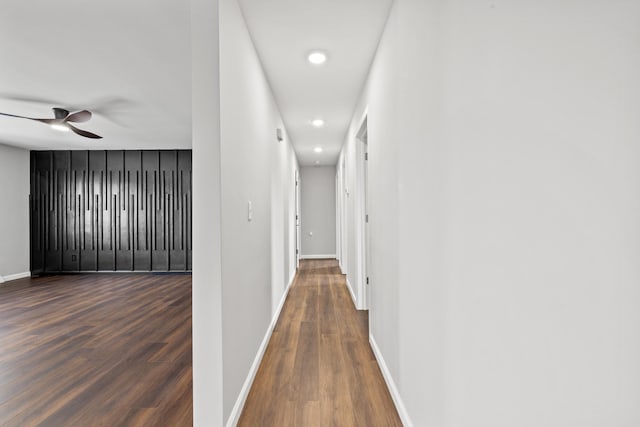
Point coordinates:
[(62, 121), (60, 127)]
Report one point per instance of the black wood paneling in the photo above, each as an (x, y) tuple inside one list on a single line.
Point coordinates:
[(110, 211)]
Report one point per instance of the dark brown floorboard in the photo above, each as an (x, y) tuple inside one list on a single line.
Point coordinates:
[(318, 369), (96, 350)]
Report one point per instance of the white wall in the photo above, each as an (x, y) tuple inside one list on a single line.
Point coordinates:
[(207, 276), (14, 212), (318, 211), (257, 255), (504, 164)]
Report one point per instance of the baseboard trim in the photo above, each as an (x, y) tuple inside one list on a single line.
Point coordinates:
[(291, 279), (16, 276), (234, 417), (395, 394), (353, 295), (326, 256)]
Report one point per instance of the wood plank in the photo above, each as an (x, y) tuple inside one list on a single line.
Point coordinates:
[(96, 350), (319, 369)]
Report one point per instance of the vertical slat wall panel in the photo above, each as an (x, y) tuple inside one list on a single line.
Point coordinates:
[(150, 168), (110, 211), (181, 239), (132, 169)]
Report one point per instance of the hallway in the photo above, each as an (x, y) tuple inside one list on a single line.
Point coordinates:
[(472, 167), (318, 369)]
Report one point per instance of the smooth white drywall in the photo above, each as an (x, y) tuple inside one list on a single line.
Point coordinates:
[(543, 177), (257, 253), (318, 210), (505, 178), (14, 211), (207, 276)]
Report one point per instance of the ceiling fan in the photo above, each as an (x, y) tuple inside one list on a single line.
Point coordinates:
[(62, 121)]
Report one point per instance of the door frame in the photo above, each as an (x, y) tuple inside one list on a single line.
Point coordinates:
[(297, 216), (363, 214)]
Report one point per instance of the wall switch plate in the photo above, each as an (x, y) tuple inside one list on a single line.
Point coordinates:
[(249, 211)]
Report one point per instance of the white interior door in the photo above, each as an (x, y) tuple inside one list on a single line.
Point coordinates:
[(367, 244), (298, 230)]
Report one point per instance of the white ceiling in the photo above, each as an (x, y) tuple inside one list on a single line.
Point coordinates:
[(284, 31), (129, 62)]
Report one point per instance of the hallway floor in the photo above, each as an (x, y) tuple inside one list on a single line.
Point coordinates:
[(318, 369)]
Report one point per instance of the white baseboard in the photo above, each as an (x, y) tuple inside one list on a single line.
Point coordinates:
[(234, 417), (326, 256), (395, 395), (291, 279), (353, 295), (16, 276)]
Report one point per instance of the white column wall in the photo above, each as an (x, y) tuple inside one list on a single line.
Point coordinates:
[(241, 267), (207, 276)]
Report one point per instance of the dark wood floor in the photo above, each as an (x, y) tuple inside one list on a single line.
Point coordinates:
[(96, 350), (318, 369)]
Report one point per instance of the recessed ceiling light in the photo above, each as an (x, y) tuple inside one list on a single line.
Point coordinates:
[(61, 128), (317, 57), (317, 123), (318, 149)]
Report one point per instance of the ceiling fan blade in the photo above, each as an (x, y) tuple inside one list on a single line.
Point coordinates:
[(47, 121), (13, 115), (60, 113), (79, 117), (83, 132)]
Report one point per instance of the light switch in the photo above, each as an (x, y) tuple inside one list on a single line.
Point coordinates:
[(249, 211)]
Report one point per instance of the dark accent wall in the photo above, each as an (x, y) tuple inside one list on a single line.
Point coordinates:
[(110, 211)]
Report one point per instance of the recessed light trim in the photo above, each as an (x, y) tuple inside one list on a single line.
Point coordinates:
[(317, 122), (60, 127), (318, 149), (317, 57)]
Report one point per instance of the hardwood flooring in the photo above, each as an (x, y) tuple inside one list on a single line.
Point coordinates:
[(318, 369), (115, 350), (96, 350)]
